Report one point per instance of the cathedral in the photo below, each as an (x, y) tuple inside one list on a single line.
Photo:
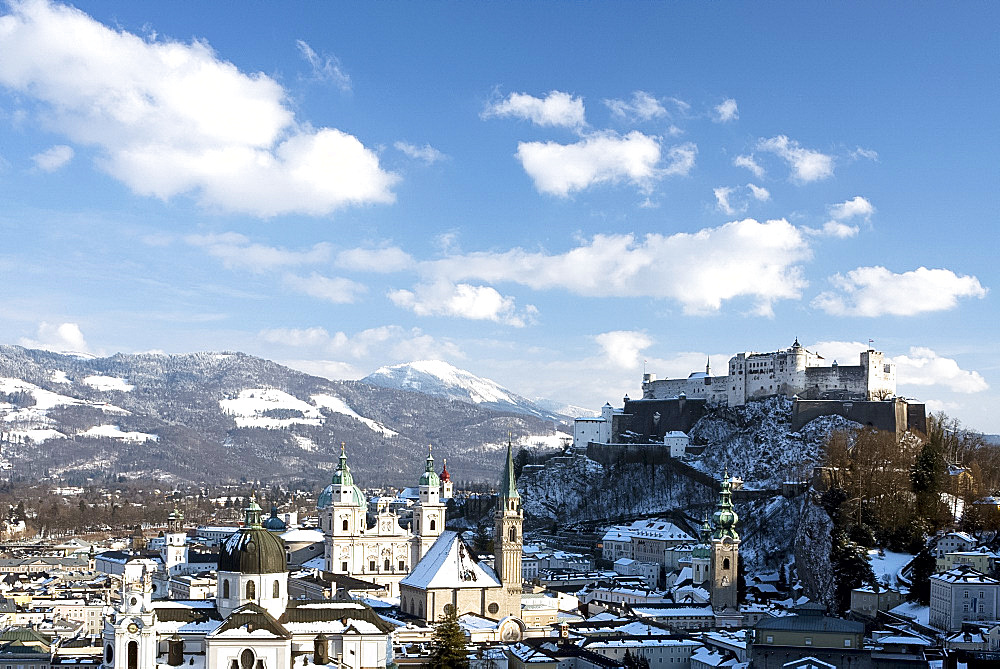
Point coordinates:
[(384, 552)]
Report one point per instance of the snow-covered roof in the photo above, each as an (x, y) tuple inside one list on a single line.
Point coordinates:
[(450, 564), (297, 536), (662, 530), (965, 575)]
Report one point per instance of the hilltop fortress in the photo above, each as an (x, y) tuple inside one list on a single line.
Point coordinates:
[(793, 372)]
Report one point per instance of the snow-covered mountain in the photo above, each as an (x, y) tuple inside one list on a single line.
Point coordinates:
[(438, 378), (223, 416)]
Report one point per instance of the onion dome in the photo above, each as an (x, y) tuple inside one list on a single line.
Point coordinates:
[(342, 478), (445, 476), (252, 549), (325, 498), (725, 517), (430, 477), (274, 524)]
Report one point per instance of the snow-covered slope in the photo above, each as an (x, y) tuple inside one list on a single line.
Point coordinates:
[(435, 377)]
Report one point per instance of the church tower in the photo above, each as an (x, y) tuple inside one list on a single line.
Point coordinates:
[(701, 555), (428, 515), (129, 634), (174, 551), (447, 487), (346, 518), (725, 550), (508, 539)]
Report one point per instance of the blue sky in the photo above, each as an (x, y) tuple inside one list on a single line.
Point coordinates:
[(548, 194)]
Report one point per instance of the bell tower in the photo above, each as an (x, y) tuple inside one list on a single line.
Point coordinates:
[(725, 550), (429, 514), (508, 540), (174, 552)]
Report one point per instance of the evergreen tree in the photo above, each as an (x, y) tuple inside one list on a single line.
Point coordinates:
[(448, 645), (923, 568), (928, 473), (851, 568)]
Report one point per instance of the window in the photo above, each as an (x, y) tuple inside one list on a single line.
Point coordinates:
[(770, 639), (371, 565), (225, 588), (276, 589), (847, 643), (402, 566), (251, 590), (345, 524), (388, 566), (343, 566), (493, 608), (966, 594), (725, 563), (109, 654), (809, 641), (247, 659), (513, 534)]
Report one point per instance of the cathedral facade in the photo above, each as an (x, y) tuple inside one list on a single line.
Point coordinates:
[(385, 551)]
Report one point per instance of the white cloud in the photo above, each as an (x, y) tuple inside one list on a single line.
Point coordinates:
[(858, 206), (385, 344), (556, 109), (61, 338), (336, 290), (236, 250), (605, 157), (751, 164), (462, 300), (875, 291), (642, 107), (726, 111), (334, 370), (170, 118), (731, 200), (53, 158), (425, 153), (807, 164), (833, 229), (722, 194), (699, 270), (325, 67), (924, 367), (383, 260), (864, 153), (623, 348), (759, 193)]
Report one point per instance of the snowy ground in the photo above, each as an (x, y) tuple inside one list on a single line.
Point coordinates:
[(887, 566), (337, 405), (115, 432), (108, 383)]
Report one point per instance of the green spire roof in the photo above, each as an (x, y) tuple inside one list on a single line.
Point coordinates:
[(343, 474), (508, 484), (430, 477), (253, 511), (725, 517)]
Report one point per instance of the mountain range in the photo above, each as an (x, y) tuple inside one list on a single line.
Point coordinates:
[(229, 416)]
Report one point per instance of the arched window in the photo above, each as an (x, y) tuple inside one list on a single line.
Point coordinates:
[(388, 565), (276, 589), (725, 563), (133, 655), (251, 590), (225, 588), (345, 524), (513, 534), (433, 524), (246, 659)]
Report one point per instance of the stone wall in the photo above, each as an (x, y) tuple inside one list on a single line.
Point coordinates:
[(896, 415)]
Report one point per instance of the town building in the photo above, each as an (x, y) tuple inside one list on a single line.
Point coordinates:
[(963, 594), (808, 633)]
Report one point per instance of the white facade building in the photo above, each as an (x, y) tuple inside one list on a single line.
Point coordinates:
[(677, 442), (595, 429), (794, 371), (643, 540), (963, 594)]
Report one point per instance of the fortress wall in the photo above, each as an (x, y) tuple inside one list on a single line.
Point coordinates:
[(639, 416), (889, 416), (851, 379)]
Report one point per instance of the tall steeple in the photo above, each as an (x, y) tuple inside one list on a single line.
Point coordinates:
[(508, 539), (725, 550), (429, 513)]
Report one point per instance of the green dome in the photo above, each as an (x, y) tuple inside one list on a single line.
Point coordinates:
[(430, 477), (274, 524), (252, 549), (325, 498)]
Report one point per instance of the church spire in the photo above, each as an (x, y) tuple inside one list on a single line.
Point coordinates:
[(725, 517), (343, 474), (708, 366), (508, 483)]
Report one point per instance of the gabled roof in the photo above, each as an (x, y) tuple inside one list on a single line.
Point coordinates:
[(248, 620), (308, 611), (450, 564)]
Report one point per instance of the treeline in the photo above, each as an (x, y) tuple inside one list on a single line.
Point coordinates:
[(896, 492)]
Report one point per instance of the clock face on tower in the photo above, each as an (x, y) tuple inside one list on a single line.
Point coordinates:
[(133, 628)]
